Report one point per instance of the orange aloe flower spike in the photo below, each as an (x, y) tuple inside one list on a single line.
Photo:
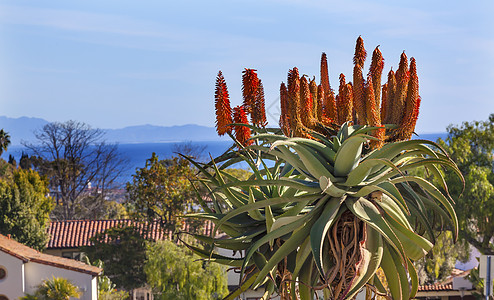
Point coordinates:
[(258, 114), (348, 111), (242, 133), (360, 53), (411, 108), (306, 103), (320, 99), (329, 106), (285, 110), (390, 98), (325, 74), (402, 77), (250, 84), (376, 69), (222, 106), (345, 101), (316, 103), (373, 116), (339, 99), (384, 103), (294, 99), (358, 81)]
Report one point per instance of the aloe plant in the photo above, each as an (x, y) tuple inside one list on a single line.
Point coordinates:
[(331, 199)]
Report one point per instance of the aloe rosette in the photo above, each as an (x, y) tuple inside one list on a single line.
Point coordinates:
[(286, 218), (328, 203)]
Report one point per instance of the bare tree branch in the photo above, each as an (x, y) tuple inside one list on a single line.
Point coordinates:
[(81, 167)]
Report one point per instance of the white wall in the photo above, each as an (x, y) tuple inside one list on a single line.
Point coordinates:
[(233, 277), (36, 273), (12, 285)]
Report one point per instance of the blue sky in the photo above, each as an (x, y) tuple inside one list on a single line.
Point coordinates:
[(120, 63)]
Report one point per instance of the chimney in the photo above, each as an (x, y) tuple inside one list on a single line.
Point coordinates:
[(8, 236)]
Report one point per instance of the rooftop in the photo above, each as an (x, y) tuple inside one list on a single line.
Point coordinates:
[(28, 254), (446, 285), (76, 233)]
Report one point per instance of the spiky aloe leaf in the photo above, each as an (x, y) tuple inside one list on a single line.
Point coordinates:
[(372, 253), (367, 212), (348, 155), (321, 226)]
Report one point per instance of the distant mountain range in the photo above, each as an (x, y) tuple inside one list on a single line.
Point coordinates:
[(21, 129)]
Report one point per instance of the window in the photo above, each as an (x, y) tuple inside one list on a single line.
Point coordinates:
[(73, 255), (3, 274)]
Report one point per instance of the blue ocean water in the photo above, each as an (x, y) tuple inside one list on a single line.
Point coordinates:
[(138, 153)]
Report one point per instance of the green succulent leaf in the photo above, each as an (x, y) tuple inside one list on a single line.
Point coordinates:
[(372, 253), (318, 232)]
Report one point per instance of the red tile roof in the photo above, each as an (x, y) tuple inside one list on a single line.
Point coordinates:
[(27, 254), (446, 285), (76, 233), (436, 287)]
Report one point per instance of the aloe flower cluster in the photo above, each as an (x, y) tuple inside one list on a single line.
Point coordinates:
[(332, 198)]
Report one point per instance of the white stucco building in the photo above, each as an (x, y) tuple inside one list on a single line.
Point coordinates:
[(22, 269)]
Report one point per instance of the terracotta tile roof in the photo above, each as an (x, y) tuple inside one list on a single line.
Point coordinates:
[(447, 284), (436, 287), (76, 233), (27, 254)]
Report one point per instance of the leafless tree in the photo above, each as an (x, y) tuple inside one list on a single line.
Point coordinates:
[(81, 167)]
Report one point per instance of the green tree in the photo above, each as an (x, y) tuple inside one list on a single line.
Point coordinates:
[(471, 146), (4, 141), (162, 191), (56, 288), (175, 273), (440, 261), (122, 250), (24, 205), (106, 288), (240, 174)]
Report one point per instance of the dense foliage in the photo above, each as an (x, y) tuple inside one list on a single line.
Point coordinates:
[(57, 288), (107, 290), (441, 260), (122, 250), (24, 206), (162, 191), (471, 146), (175, 273)]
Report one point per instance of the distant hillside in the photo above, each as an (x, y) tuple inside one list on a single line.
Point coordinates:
[(21, 129), (158, 134)]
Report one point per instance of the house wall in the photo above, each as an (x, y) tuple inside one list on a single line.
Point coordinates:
[(12, 286), (36, 273)]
